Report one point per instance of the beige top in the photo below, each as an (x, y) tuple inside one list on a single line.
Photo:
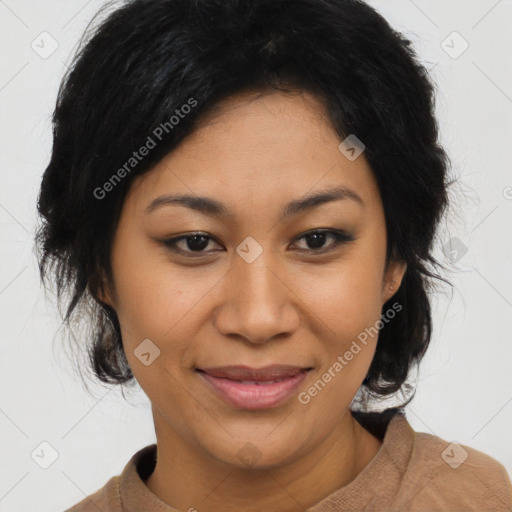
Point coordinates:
[(412, 471)]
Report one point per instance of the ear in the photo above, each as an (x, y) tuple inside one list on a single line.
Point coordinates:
[(392, 279), (104, 296), (100, 291)]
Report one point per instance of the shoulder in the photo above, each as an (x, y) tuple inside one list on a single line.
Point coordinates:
[(451, 476), (125, 486), (106, 499)]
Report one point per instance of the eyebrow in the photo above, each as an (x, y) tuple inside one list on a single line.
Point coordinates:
[(210, 206)]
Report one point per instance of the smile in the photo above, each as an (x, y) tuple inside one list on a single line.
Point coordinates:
[(252, 389)]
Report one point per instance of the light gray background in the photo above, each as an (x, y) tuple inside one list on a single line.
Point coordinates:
[(465, 383)]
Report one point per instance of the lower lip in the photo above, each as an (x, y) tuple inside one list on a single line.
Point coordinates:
[(254, 396)]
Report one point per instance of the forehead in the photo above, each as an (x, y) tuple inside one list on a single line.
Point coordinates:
[(260, 148)]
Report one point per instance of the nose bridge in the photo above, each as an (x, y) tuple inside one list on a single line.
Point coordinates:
[(256, 278), (256, 284), (255, 305)]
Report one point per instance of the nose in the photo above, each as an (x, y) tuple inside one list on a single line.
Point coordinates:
[(258, 302)]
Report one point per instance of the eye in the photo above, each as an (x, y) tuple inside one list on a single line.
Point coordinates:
[(317, 239), (194, 243), (198, 242)]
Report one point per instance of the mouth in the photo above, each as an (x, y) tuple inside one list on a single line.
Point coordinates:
[(250, 388)]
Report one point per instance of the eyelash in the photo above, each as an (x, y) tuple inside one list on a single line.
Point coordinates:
[(340, 237)]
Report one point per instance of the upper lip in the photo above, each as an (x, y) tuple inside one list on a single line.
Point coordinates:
[(272, 372)]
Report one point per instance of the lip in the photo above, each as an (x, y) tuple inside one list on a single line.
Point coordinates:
[(250, 388), (242, 372)]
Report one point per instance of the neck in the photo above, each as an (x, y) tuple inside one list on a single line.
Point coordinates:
[(185, 477)]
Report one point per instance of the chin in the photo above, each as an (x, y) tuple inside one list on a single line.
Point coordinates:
[(256, 452)]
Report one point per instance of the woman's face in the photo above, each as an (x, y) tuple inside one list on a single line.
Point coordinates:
[(253, 290)]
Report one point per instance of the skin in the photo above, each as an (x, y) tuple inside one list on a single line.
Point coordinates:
[(257, 153)]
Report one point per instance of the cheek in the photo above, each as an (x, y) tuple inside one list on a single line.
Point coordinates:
[(154, 302), (347, 298), (160, 301), (346, 307)]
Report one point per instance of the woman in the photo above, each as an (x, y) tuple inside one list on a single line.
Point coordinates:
[(244, 197)]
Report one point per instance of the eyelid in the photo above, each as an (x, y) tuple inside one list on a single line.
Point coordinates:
[(170, 243), (339, 236)]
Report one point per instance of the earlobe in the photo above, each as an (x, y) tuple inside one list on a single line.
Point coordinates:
[(101, 294), (393, 279), (104, 297)]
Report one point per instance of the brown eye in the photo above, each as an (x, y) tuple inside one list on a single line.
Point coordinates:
[(316, 239), (194, 243)]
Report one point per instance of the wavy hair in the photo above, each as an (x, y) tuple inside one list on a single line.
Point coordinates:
[(147, 58)]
